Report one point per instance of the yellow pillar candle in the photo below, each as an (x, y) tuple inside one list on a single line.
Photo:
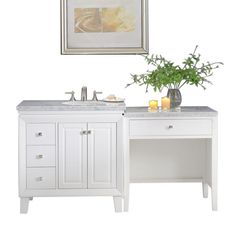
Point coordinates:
[(165, 103), (153, 105)]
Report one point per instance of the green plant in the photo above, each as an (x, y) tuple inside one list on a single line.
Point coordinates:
[(168, 75)]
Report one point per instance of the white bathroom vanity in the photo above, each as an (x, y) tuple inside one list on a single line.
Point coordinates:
[(99, 149)]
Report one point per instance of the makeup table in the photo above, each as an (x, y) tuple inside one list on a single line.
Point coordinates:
[(171, 146)]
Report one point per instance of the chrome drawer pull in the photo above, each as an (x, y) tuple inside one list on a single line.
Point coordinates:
[(86, 132), (39, 156), (39, 179), (170, 127), (39, 134)]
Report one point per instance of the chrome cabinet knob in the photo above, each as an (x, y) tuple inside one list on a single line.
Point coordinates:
[(86, 132), (170, 127), (39, 134), (39, 179), (39, 156)]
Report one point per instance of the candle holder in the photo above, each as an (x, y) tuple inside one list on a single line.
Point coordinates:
[(153, 106), (165, 103)]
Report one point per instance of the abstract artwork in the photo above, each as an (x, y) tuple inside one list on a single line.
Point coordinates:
[(88, 20), (104, 27)]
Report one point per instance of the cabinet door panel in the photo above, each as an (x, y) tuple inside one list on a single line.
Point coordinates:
[(102, 155), (72, 156)]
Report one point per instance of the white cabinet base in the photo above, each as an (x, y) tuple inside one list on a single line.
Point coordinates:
[(70, 154)]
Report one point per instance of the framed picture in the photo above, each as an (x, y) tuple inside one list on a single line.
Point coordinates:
[(104, 27)]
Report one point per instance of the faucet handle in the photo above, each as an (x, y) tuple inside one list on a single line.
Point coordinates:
[(95, 95), (72, 93)]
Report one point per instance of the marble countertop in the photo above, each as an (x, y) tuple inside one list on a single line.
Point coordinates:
[(196, 111), (57, 105)]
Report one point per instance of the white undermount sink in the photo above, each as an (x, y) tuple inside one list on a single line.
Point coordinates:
[(85, 103)]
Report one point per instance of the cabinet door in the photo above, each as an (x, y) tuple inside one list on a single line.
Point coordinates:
[(102, 155), (72, 156)]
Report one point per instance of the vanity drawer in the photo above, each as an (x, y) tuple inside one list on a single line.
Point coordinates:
[(41, 178), (38, 156), (40, 134), (170, 127)]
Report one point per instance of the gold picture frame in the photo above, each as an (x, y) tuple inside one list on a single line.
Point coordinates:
[(104, 27)]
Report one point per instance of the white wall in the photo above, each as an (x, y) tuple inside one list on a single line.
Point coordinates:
[(32, 68)]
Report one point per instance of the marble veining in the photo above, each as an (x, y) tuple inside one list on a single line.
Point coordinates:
[(194, 111), (57, 105)]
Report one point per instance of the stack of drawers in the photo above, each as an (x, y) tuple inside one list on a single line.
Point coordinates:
[(41, 156)]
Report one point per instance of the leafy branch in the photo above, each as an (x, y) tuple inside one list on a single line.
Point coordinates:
[(168, 75)]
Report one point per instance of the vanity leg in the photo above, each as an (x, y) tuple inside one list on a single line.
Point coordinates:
[(126, 202), (126, 165), (117, 204), (214, 199), (214, 166), (24, 204), (205, 189)]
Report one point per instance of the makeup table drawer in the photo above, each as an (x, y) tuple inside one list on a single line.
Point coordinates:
[(40, 134), (170, 127), (41, 156), (41, 178)]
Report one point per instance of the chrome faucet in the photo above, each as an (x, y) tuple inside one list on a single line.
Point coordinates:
[(84, 94)]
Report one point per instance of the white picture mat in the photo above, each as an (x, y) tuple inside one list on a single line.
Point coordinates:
[(104, 40)]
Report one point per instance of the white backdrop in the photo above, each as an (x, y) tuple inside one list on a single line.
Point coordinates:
[(32, 68)]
